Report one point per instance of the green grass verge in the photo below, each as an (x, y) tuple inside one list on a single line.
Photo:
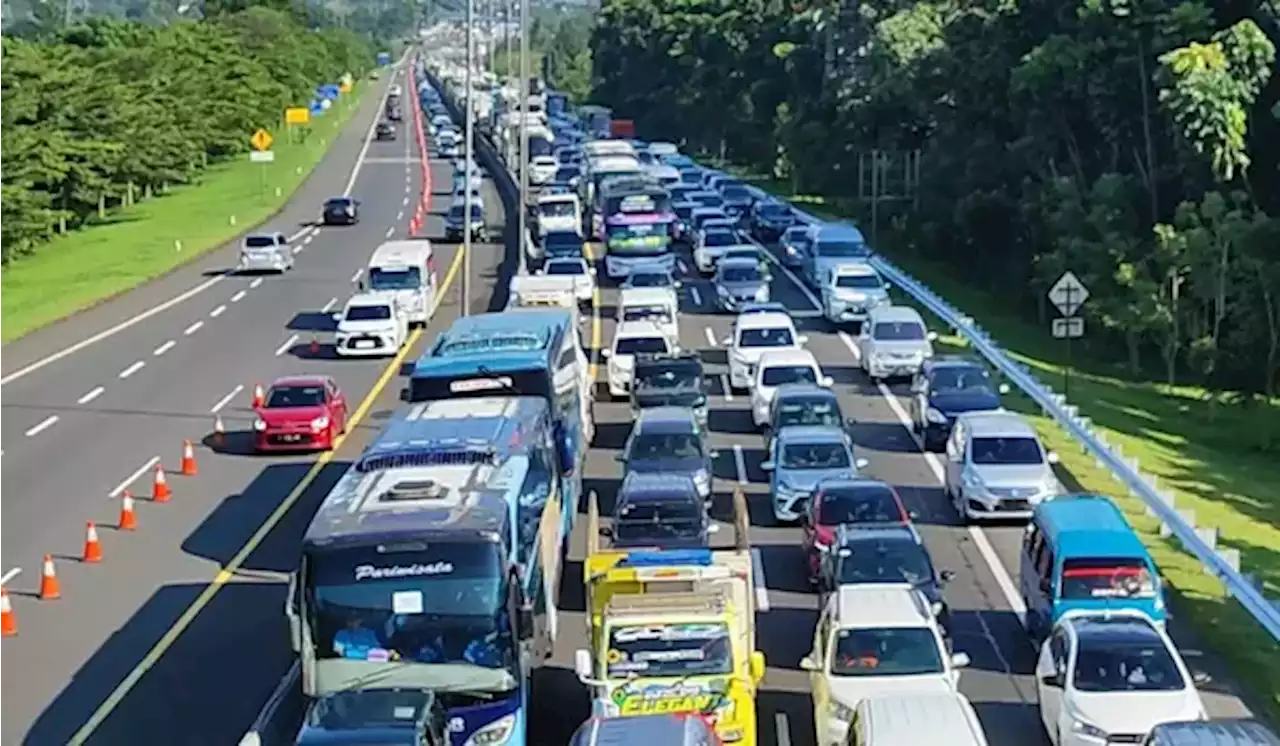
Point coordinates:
[(1179, 435), (139, 243)]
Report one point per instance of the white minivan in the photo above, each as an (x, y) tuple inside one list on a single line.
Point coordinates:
[(658, 305), (405, 271)]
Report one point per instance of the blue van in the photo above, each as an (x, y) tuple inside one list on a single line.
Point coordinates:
[(1079, 553)]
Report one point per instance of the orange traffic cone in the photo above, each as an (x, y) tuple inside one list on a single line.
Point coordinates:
[(259, 397), (188, 459), (49, 587), (92, 547), (8, 622), (219, 431), (128, 519), (160, 491)]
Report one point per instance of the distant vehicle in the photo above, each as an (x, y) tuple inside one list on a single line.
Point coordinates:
[(669, 441), (801, 458), (795, 245), (662, 511), (879, 554), (385, 131), (997, 468), (455, 225), (583, 274), (831, 244), (684, 729), (651, 277), (674, 380), (739, 281), (632, 338), (778, 368), (265, 252), (752, 336), (859, 501), (894, 342), (300, 413), (946, 388), (769, 219), (850, 291), (340, 211), (393, 111), (801, 405), (712, 244), (371, 324), (563, 245)]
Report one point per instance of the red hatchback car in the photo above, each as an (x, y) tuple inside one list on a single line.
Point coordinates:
[(846, 501), (300, 413)]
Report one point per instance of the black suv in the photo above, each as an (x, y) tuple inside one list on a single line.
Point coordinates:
[(340, 211), (385, 131), (670, 380), (661, 511)]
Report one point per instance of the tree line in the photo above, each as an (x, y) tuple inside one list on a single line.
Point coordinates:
[(107, 112), (1135, 142)]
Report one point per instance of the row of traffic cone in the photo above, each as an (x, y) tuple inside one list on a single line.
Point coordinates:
[(50, 588)]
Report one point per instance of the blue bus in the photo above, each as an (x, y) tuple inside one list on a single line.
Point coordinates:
[(434, 564)]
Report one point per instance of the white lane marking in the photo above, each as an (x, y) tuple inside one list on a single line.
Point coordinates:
[(328, 305), (224, 401), (783, 725), (391, 231), (697, 297), (297, 249), (684, 268), (853, 346), (405, 202), (215, 313), (181, 297), (78, 346), (711, 336), (356, 276), (740, 462), (90, 396), (757, 577), (239, 296), (134, 476), (192, 329), (162, 349), (400, 216), (9, 575), (728, 390), (256, 282), (41, 426), (287, 344), (817, 303), (139, 365), (1011, 594)]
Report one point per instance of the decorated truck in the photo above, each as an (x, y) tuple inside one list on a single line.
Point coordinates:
[(673, 631)]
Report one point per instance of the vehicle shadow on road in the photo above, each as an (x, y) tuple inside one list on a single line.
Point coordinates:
[(219, 664), (312, 321)]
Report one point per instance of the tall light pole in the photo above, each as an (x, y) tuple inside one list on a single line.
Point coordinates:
[(469, 152), (525, 90)]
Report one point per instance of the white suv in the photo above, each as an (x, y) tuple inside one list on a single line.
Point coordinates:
[(371, 325), (875, 639), (779, 368), (630, 339), (753, 335)]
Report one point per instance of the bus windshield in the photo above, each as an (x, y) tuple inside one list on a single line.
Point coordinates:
[(479, 383), (442, 603), (638, 239)]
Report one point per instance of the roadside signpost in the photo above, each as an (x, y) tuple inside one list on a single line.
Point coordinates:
[(1068, 295), (262, 153)]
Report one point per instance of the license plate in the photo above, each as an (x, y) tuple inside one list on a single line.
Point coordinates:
[(364, 344), (291, 438)]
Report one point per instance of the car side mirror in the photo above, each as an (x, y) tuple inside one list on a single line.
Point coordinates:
[(336, 316), (727, 341), (827, 382), (946, 575), (621, 458), (582, 664), (757, 665), (931, 336), (766, 466), (1052, 680), (606, 353), (606, 532), (713, 528), (525, 622), (802, 339), (713, 453), (1200, 678), (679, 284), (861, 463), (1004, 388), (1053, 457), (807, 663), (960, 660)]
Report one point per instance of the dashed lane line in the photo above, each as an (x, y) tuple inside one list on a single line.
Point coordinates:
[(329, 306), (137, 366), (192, 329), (215, 313), (711, 336), (239, 296), (124, 485), (91, 395), (162, 349), (256, 282), (740, 463), (724, 386), (224, 401), (288, 343), (391, 231), (41, 426), (757, 577)]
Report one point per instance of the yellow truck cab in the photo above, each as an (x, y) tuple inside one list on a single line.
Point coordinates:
[(673, 631)]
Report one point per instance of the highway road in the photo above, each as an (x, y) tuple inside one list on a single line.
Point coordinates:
[(145, 388)]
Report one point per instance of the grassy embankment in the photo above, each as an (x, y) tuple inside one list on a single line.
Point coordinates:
[(1192, 445), (135, 244)]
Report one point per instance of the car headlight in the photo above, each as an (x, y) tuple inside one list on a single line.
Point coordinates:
[(762, 294), (701, 477), (972, 482), (1088, 730), (260, 424), (320, 423), (841, 712), (495, 733), (935, 416)]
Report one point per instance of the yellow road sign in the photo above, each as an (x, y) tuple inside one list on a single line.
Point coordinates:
[(297, 115), (345, 86), (261, 140)]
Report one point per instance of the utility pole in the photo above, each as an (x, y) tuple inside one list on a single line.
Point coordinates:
[(524, 126), (469, 151)]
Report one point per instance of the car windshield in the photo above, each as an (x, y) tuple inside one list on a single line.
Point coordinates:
[(841, 249), (288, 397), (651, 446), (808, 412), (339, 203), (562, 241), (566, 268), (1006, 452), (709, 200), (658, 520), (566, 174), (736, 193), (798, 237), (1104, 665), (406, 278), (648, 280), (893, 651), (815, 456), (684, 212), (557, 209), (864, 503), (368, 313), (741, 274), (719, 238), (455, 212), (960, 380), (775, 211), (656, 314), (638, 345), (1112, 577), (658, 650), (885, 561), (668, 376), (859, 282), (779, 336), (259, 242), (898, 331), (778, 375)]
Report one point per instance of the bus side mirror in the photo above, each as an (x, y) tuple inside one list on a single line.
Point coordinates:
[(757, 665), (564, 450), (525, 622), (291, 610), (582, 664)]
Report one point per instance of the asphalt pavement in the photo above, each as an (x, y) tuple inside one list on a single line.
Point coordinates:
[(178, 635)]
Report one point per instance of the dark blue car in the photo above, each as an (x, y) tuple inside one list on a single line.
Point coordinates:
[(669, 440), (946, 388), (663, 511)]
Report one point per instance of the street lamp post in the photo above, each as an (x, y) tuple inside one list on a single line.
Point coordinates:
[(525, 91), (469, 152)]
